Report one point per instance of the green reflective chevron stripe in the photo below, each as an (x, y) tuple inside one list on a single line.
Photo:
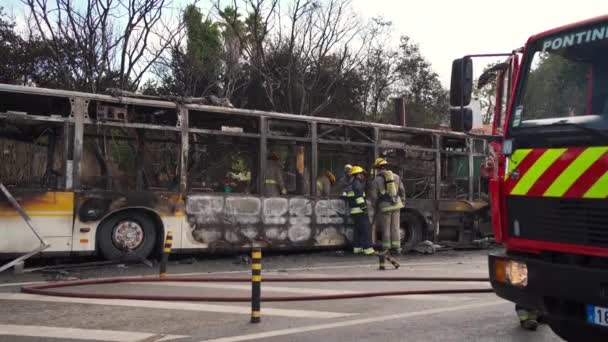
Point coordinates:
[(599, 189), (538, 168), (515, 159), (574, 171)]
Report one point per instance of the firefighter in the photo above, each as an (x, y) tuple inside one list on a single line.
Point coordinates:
[(344, 181), (386, 192), (355, 194), (273, 181), (325, 182)]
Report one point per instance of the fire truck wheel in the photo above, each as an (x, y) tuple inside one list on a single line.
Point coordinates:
[(411, 231), (126, 236)]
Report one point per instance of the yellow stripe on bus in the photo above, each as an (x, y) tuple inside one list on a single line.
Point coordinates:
[(538, 168), (515, 159), (574, 171), (599, 189), (44, 204), (16, 214)]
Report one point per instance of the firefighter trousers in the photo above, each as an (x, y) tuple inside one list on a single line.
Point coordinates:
[(362, 237), (389, 225)]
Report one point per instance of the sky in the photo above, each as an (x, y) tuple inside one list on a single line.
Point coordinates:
[(448, 29)]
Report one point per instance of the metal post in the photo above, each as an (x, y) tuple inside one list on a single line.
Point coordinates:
[(471, 161), (314, 157), (256, 284), (263, 156), (437, 194), (79, 109), (165, 256), (184, 124)]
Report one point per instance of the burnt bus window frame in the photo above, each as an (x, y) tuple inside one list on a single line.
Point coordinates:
[(249, 139), (300, 187), (113, 118), (52, 177)]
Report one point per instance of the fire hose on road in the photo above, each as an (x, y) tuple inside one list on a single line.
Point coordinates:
[(49, 289)]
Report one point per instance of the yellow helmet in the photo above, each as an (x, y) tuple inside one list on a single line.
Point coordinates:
[(356, 169), (380, 162)]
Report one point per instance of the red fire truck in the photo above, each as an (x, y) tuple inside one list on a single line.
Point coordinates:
[(549, 177)]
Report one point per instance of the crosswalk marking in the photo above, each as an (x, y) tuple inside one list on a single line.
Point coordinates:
[(164, 305), (301, 290), (84, 334)]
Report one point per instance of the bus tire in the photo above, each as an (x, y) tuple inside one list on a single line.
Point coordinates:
[(127, 236), (411, 228)]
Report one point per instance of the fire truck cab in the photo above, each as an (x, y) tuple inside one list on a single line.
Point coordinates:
[(549, 174)]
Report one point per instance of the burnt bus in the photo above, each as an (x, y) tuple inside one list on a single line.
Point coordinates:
[(113, 174)]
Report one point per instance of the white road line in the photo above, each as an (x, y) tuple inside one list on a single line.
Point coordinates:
[(21, 284), (298, 290), (265, 288), (83, 334), (317, 327), (229, 309)]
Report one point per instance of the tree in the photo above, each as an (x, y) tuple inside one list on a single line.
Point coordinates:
[(13, 59), (485, 90), (195, 69), (378, 71), (426, 100), (98, 43)]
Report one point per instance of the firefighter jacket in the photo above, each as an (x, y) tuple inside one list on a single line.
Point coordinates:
[(387, 192), (355, 195)]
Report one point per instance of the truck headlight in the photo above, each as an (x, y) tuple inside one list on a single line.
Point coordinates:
[(517, 273), (511, 272)]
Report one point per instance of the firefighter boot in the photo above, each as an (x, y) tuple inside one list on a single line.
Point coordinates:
[(527, 319)]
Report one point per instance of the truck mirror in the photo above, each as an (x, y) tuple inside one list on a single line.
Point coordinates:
[(461, 119), (461, 84)]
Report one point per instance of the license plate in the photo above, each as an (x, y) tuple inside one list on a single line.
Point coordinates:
[(597, 315)]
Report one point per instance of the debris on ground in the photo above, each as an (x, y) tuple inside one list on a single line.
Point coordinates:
[(187, 261), (426, 247)]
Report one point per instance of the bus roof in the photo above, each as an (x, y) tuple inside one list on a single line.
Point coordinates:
[(216, 109)]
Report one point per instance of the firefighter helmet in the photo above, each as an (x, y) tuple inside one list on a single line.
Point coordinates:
[(356, 169), (380, 162)]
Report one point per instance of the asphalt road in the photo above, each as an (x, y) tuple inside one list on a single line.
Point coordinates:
[(457, 317)]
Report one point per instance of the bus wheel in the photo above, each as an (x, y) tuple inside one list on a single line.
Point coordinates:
[(127, 236), (411, 231)]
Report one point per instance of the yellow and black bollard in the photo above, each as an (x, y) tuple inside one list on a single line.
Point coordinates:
[(256, 284), (165, 256)]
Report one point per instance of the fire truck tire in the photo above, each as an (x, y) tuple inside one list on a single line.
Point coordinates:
[(411, 228), (127, 236)]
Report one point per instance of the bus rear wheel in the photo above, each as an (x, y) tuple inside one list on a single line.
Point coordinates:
[(411, 231), (127, 236)]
